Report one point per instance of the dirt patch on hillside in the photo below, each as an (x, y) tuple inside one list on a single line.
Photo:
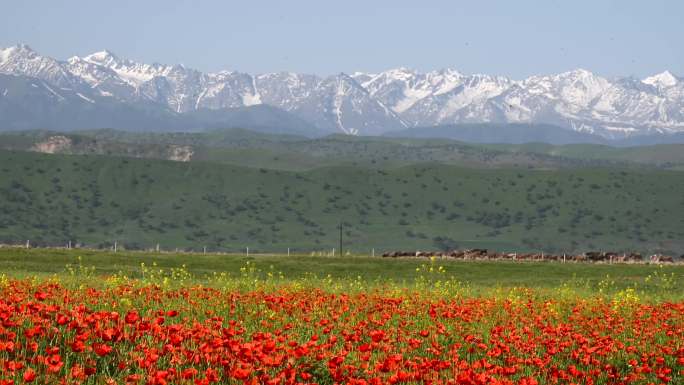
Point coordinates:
[(181, 153), (52, 145)]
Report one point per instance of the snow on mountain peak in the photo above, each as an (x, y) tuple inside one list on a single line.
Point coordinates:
[(17, 51), (663, 79), (400, 73), (22, 60), (104, 57), (371, 103), (4, 54), (578, 72), (446, 72), (129, 71)]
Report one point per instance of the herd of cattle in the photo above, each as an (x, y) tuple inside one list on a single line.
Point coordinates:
[(592, 256)]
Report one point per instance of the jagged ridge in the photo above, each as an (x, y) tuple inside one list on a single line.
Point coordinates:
[(370, 104)]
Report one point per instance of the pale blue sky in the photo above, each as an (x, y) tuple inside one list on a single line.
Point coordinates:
[(512, 38)]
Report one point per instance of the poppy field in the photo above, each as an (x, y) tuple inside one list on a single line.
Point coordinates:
[(255, 326)]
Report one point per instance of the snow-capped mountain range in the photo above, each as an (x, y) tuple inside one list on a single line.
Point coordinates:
[(369, 103)]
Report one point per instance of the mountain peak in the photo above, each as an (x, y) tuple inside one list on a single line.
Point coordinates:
[(19, 49), (400, 71), (374, 102), (344, 76), (448, 72), (577, 73), (663, 79), (104, 57), (22, 48)]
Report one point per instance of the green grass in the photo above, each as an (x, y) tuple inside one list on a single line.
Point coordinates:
[(96, 200), (478, 275)]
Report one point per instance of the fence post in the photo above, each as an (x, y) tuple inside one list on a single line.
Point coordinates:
[(248, 251), (115, 246), (288, 251), (204, 250), (333, 251), (157, 247), (373, 252), (28, 244)]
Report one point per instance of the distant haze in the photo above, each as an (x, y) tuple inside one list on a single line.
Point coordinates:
[(515, 39)]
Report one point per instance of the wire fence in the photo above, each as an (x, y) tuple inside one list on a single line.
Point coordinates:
[(466, 255), (247, 250)]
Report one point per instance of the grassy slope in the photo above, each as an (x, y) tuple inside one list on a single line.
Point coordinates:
[(97, 199), (21, 262), (662, 154), (245, 148)]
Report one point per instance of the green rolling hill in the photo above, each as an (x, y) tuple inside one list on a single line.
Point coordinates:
[(95, 200), (663, 155), (295, 153)]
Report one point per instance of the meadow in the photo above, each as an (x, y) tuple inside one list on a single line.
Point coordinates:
[(93, 317), (289, 312), (478, 276)]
